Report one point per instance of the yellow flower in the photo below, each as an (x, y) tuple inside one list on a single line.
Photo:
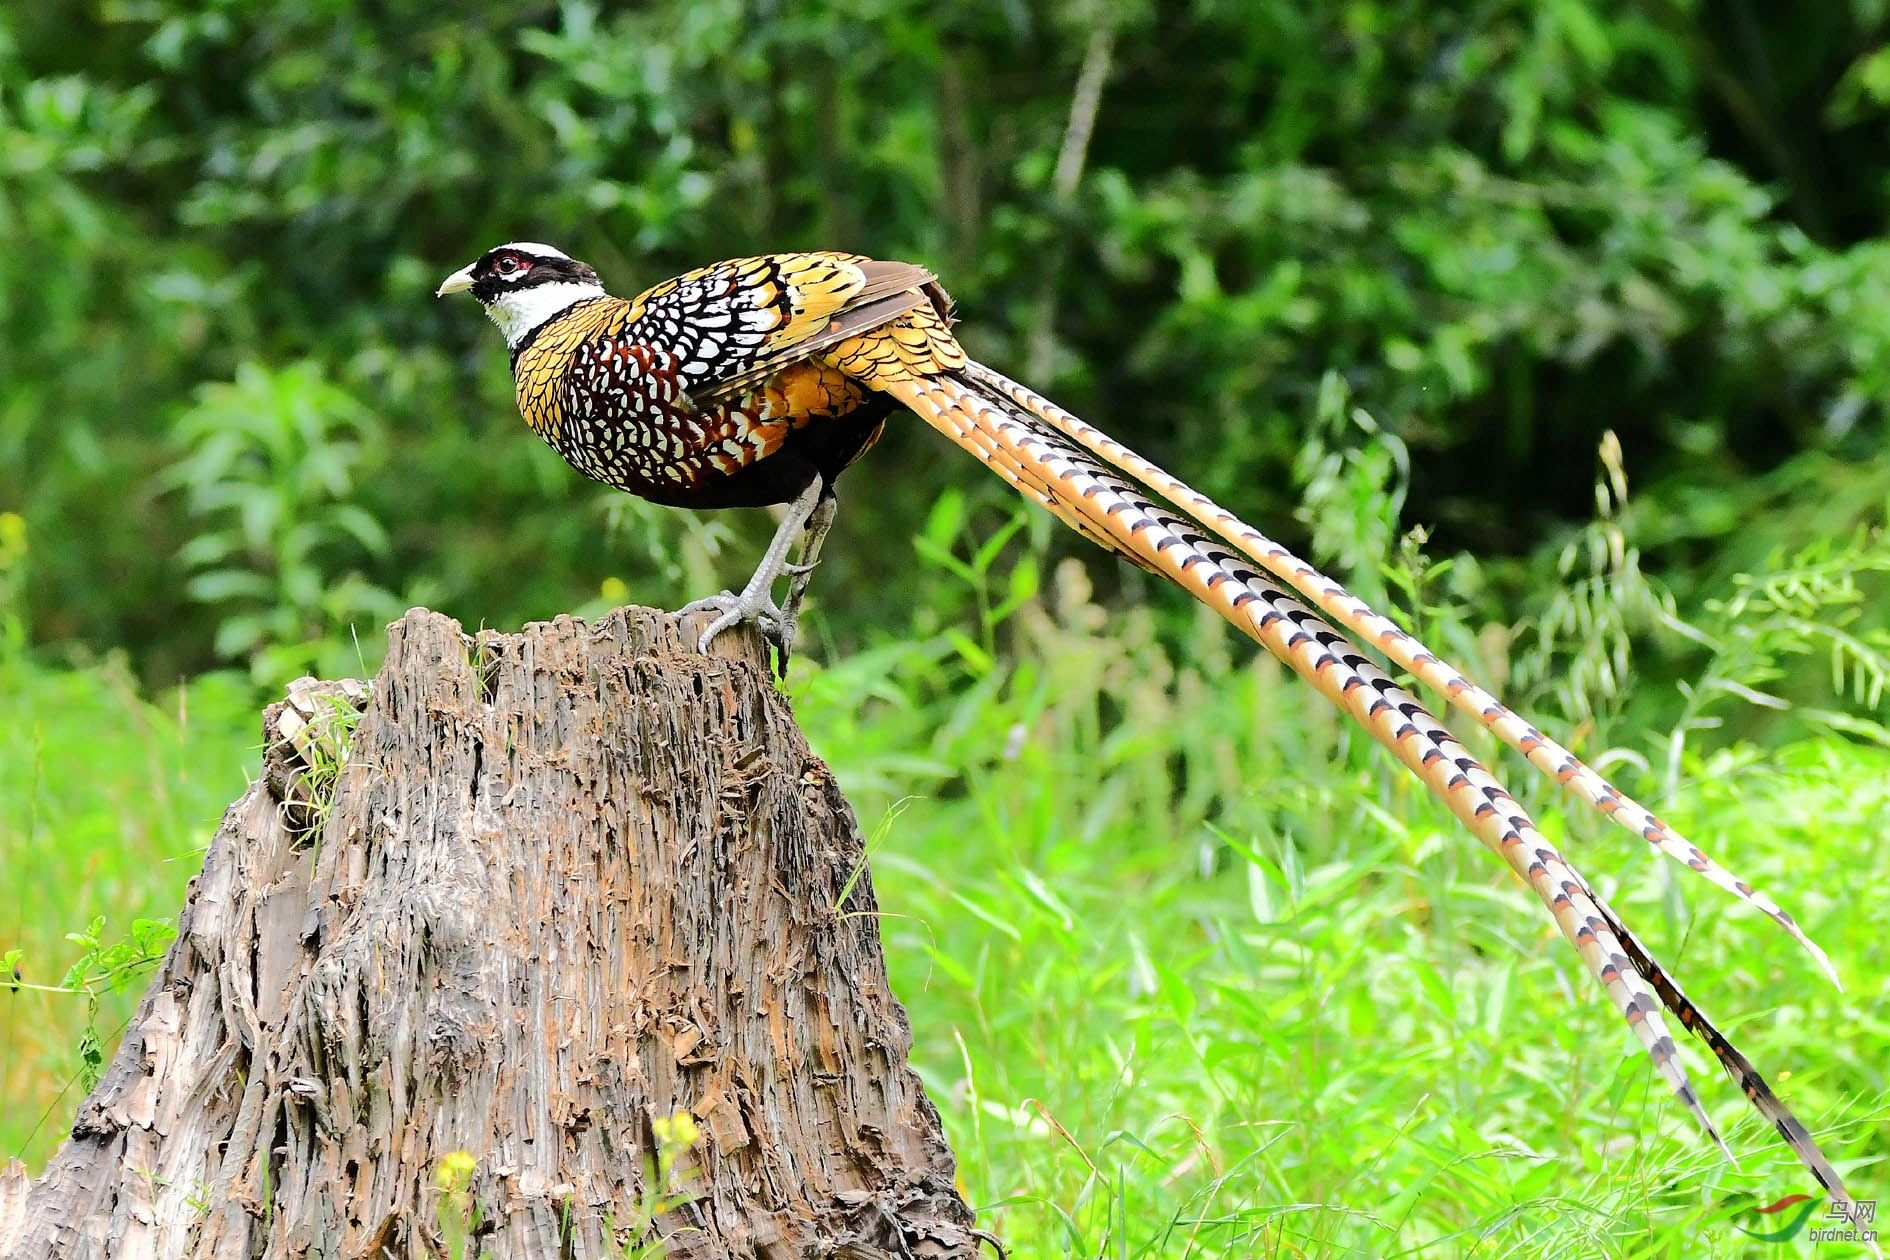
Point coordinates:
[(678, 1130), (455, 1171)]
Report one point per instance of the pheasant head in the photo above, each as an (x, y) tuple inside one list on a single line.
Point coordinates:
[(522, 284)]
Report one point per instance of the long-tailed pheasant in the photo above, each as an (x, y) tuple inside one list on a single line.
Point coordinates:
[(756, 381)]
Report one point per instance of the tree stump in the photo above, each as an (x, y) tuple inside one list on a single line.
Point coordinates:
[(553, 889)]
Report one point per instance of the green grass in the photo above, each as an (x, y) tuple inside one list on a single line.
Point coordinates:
[(106, 803), (1193, 973), (1192, 969)]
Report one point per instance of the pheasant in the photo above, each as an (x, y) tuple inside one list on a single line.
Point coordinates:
[(756, 381)]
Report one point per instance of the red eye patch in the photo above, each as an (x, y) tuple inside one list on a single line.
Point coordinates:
[(512, 265)]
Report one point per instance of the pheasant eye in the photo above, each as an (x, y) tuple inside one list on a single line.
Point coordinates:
[(511, 265)]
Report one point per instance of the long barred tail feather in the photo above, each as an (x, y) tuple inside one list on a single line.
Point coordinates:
[(1086, 489), (1380, 632), (1735, 1064)]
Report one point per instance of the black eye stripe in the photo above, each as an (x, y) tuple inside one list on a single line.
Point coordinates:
[(508, 270)]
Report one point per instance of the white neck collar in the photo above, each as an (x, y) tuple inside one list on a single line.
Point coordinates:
[(518, 314)]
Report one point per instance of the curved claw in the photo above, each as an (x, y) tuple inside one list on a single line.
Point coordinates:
[(735, 609), (813, 510)]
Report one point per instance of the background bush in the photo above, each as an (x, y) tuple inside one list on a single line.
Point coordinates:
[(1502, 228)]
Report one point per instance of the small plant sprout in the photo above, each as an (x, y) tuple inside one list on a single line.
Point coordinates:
[(676, 1136), (457, 1210)]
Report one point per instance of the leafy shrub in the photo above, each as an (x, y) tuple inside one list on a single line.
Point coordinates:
[(1498, 233), (269, 468)]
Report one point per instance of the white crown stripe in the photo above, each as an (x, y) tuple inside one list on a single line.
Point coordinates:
[(533, 247)]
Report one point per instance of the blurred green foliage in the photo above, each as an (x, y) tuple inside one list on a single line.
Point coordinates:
[(269, 467), (1497, 228)]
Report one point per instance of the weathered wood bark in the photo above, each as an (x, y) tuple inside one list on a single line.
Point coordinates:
[(566, 883)]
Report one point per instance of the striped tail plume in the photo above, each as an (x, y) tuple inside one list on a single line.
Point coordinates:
[(1354, 614), (1102, 489)]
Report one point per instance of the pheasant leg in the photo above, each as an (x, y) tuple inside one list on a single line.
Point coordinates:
[(755, 602), (802, 571)]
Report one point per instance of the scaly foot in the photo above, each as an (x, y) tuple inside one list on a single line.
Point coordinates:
[(755, 602), (734, 608)]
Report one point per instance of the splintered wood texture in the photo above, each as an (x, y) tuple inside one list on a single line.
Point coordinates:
[(572, 881)]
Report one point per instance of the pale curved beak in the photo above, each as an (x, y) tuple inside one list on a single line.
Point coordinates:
[(458, 282)]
